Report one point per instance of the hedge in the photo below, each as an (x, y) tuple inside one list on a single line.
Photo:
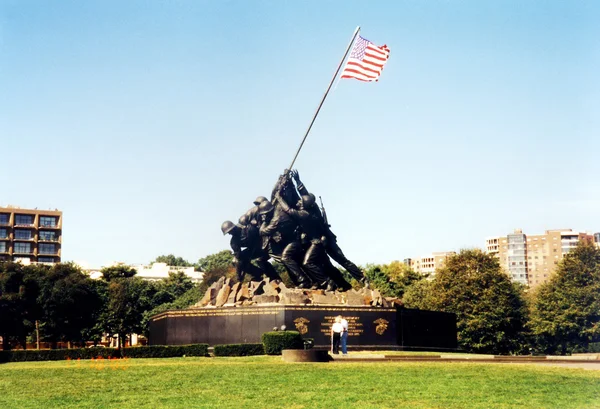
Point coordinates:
[(276, 341), (158, 351), (239, 349)]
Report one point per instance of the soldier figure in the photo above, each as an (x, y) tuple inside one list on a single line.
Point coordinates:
[(313, 234), (252, 215), (279, 238), (333, 250), (247, 237)]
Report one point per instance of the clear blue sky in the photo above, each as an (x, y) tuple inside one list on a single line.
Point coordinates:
[(150, 123)]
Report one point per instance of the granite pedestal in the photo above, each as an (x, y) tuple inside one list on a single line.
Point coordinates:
[(369, 327)]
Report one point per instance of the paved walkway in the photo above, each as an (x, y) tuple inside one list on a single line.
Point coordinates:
[(591, 362)]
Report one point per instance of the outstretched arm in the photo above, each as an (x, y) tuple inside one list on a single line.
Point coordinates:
[(301, 188)]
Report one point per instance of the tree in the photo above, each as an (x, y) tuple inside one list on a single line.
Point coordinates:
[(216, 266), (490, 309), (391, 280), (176, 284), (565, 313), (128, 297), (19, 309), (171, 260), (70, 302), (118, 271)]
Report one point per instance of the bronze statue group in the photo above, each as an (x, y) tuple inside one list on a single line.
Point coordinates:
[(292, 230)]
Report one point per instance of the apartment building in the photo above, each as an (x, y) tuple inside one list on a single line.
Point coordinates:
[(30, 235), (429, 263), (532, 259)]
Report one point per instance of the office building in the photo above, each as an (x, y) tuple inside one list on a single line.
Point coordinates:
[(532, 259), (30, 235)]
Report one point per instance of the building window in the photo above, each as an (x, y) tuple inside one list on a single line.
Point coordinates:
[(3, 247), (4, 218), (48, 235), (45, 259), (47, 221), (24, 219), (23, 248), (22, 234), (3, 234), (47, 248)]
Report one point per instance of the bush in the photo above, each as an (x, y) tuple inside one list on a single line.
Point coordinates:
[(276, 341), (58, 354), (158, 351), (239, 350), (166, 351)]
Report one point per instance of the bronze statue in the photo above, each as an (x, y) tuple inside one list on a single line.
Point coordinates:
[(333, 249), (245, 243), (292, 230), (281, 242)]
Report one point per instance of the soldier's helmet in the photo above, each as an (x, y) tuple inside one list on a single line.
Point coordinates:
[(243, 220), (265, 207), (260, 199), (227, 226), (308, 200)]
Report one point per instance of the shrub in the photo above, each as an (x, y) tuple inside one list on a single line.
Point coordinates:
[(166, 351), (57, 354), (158, 351), (276, 341), (239, 349)]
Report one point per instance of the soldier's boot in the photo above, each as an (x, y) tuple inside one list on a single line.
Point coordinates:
[(331, 286)]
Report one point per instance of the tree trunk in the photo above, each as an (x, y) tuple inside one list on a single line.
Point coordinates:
[(37, 334), (5, 343)]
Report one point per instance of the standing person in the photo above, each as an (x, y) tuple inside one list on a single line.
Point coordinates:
[(336, 334), (344, 339)]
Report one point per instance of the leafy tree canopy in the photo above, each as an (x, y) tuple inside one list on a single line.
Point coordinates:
[(70, 301), (171, 260), (565, 314), (118, 271), (216, 266), (490, 309)]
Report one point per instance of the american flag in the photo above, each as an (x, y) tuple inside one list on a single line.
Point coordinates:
[(366, 61)]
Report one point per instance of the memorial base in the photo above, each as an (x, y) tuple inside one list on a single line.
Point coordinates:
[(368, 327)]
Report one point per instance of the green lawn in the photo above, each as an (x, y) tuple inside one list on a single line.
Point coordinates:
[(267, 382)]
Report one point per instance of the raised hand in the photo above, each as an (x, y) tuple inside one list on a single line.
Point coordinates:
[(296, 175)]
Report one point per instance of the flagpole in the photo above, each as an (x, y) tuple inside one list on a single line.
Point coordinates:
[(324, 96)]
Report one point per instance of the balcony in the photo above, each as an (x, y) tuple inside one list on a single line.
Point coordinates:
[(49, 227), (22, 252), (30, 239), (49, 240)]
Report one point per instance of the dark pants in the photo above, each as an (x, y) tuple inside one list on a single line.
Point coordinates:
[(336, 276), (262, 260), (314, 261), (291, 257), (335, 342), (335, 252)]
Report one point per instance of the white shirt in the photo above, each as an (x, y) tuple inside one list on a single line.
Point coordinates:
[(337, 327), (345, 325)]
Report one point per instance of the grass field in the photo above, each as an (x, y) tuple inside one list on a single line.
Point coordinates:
[(267, 382)]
